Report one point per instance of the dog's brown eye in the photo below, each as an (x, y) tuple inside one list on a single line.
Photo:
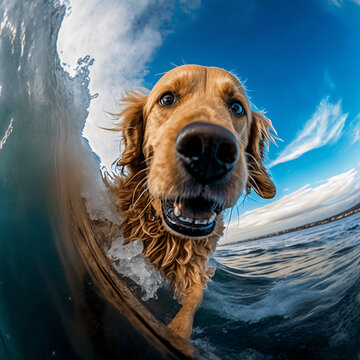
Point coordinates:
[(167, 99), (237, 109)]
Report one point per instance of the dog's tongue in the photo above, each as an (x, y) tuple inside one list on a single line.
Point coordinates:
[(193, 210)]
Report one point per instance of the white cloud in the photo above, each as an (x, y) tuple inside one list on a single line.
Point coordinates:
[(121, 36), (303, 206), (324, 126), (355, 129)]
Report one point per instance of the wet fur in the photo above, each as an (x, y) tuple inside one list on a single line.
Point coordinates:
[(182, 261)]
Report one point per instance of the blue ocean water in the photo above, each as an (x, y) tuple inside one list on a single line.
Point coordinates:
[(293, 296)]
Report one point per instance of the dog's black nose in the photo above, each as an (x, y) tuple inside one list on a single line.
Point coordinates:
[(207, 151)]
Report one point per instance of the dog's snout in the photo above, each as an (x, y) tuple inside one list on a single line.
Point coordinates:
[(208, 151)]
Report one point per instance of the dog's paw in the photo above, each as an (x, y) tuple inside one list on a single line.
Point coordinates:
[(181, 327)]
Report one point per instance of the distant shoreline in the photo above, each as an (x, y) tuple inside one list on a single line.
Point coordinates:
[(353, 210)]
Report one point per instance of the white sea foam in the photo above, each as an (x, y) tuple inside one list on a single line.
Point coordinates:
[(7, 133), (129, 260), (282, 300), (99, 202)]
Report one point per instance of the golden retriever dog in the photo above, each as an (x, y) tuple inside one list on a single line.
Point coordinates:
[(192, 146)]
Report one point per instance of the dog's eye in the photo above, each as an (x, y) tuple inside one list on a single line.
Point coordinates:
[(236, 108), (167, 99)]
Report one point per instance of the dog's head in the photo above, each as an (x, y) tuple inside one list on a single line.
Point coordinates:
[(198, 145)]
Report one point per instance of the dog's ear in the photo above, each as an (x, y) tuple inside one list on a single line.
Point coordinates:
[(259, 134), (132, 129)]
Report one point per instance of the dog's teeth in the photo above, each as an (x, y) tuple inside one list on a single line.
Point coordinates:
[(212, 218), (206, 221), (201, 222), (185, 219), (177, 210)]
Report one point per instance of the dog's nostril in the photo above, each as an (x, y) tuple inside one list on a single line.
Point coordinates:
[(190, 147), (226, 153), (207, 151)]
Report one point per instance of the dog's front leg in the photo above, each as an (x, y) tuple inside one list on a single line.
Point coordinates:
[(183, 321)]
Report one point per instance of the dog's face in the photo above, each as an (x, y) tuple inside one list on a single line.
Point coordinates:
[(201, 143)]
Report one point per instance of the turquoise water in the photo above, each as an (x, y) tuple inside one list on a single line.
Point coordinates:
[(58, 298)]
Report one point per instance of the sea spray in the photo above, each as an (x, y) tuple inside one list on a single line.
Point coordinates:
[(101, 204)]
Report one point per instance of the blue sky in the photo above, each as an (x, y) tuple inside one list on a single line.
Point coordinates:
[(292, 55), (300, 61)]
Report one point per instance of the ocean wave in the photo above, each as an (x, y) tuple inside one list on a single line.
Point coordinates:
[(284, 299), (290, 296), (56, 282)]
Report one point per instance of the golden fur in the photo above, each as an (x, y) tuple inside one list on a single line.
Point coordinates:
[(150, 169)]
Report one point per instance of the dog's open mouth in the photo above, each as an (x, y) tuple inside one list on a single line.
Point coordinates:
[(194, 217)]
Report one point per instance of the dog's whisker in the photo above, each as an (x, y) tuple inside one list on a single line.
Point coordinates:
[(238, 216), (138, 173), (227, 226), (254, 184), (150, 157), (147, 205), (140, 183), (168, 193), (143, 192)]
